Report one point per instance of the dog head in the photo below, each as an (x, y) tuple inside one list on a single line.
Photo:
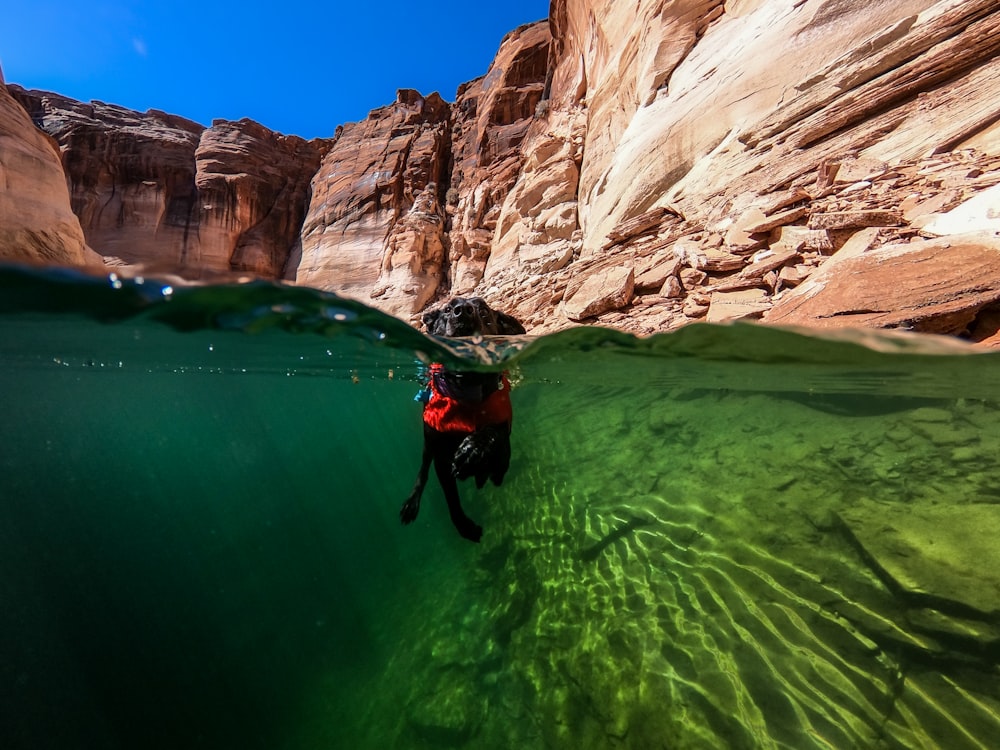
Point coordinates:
[(470, 316)]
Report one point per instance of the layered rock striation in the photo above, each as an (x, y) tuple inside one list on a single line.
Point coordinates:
[(162, 192), (252, 185), (37, 224), (367, 184), (492, 120), (406, 204), (718, 135), (638, 166)]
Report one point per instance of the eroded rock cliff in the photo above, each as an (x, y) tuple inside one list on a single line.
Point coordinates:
[(718, 134), (161, 192), (367, 183), (407, 202), (492, 118), (636, 165), (37, 224)]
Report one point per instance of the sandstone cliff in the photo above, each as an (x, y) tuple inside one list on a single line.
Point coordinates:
[(492, 118), (406, 203), (636, 165), (722, 140), (367, 183), (158, 191), (37, 224)]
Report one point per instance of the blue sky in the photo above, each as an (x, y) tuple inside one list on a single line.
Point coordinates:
[(298, 67)]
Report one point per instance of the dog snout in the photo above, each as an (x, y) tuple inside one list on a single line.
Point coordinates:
[(461, 310)]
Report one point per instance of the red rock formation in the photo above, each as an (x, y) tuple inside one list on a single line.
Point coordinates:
[(366, 183), (163, 192), (639, 165), (131, 177), (931, 286), (738, 150), (252, 188), (413, 257), (375, 232), (37, 224), (491, 121)]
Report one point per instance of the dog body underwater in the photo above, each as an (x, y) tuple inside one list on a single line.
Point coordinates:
[(467, 415)]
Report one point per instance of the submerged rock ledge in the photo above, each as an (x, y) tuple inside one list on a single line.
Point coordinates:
[(944, 557)]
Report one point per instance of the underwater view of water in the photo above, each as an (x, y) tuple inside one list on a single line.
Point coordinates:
[(722, 537)]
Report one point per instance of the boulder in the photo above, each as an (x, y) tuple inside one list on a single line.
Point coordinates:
[(656, 272), (980, 213), (935, 286), (799, 238), (601, 293), (739, 305), (855, 219), (776, 220), (940, 556)]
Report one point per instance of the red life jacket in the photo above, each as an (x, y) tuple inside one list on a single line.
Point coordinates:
[(445, 413)]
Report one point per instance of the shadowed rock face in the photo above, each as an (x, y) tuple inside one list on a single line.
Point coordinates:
[(163, 192), (492, 118), (714, 153), (252, 186), (131, 177)]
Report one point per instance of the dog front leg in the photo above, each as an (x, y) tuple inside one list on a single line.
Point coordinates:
[(465, 525), (408, 513)]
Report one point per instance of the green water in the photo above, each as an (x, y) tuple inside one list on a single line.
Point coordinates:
[(200, 547)]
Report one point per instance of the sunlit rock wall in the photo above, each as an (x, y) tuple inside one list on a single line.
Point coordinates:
[(366, 183), (687, 98), (492, 118), (688, 133), (37, 224)]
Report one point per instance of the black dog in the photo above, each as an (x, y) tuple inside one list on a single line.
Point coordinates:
[(467, 415)]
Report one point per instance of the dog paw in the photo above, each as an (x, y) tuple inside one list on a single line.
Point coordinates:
[(408, 513), (484, 453), (471, 531), (471, 454)]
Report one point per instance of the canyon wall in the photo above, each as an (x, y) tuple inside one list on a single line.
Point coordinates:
[(406, 203), (167, 194), (37, 224), (639, 166), (368, 181), (719, 136)]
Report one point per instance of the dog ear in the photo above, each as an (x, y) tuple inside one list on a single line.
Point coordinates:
[(430, 319), (508, 325)]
